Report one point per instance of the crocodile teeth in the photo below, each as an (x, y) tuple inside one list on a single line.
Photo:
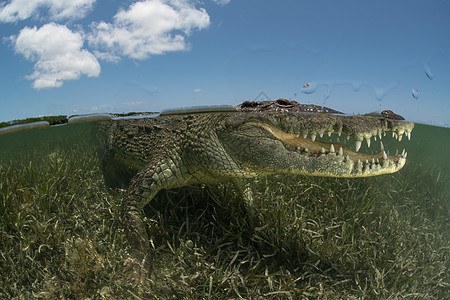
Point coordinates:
[(306, 150), (368, 142), (357, 145), (313, 137), (305, 135), (400, 137), (381, 146), (297, 135), (321, 134), (329, 133), (408, 134), (341, 152), (323, 150), (385, 157), (332, 150), (403, 152)]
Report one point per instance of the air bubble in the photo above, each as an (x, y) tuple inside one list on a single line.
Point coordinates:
[(309, 88), (327, 94), (415, 93), (357, 85), (380, 93), (428, 72)]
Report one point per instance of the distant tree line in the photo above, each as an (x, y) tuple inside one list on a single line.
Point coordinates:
[(62, 119), (53, 120)]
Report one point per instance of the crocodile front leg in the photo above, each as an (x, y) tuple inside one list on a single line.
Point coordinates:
[(142, 189), (169, 173)]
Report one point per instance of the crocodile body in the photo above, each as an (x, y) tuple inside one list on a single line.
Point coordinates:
[(170, 151)]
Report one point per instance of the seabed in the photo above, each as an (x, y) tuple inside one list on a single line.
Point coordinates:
[(383, 237)]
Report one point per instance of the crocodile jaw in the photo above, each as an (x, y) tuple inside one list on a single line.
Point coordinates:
[(293, 152)]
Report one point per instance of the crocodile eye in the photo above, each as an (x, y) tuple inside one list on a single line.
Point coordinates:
[(389, 114), (283, 102)]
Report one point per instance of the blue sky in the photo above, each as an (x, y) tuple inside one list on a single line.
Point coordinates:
[(86, 56)]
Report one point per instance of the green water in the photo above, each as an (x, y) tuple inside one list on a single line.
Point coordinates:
[(380, 237)]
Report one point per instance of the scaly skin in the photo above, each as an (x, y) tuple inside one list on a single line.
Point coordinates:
[(171, 151)]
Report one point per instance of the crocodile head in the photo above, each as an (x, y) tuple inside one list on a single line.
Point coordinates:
[(317, 144)]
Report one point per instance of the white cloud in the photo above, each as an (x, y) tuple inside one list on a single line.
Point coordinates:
[(58, 54), (107, 56), (222, 2), (18, 10), (198, 90), (149, 27)]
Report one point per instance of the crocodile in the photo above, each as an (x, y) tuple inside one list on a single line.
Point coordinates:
[(256, 139)]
